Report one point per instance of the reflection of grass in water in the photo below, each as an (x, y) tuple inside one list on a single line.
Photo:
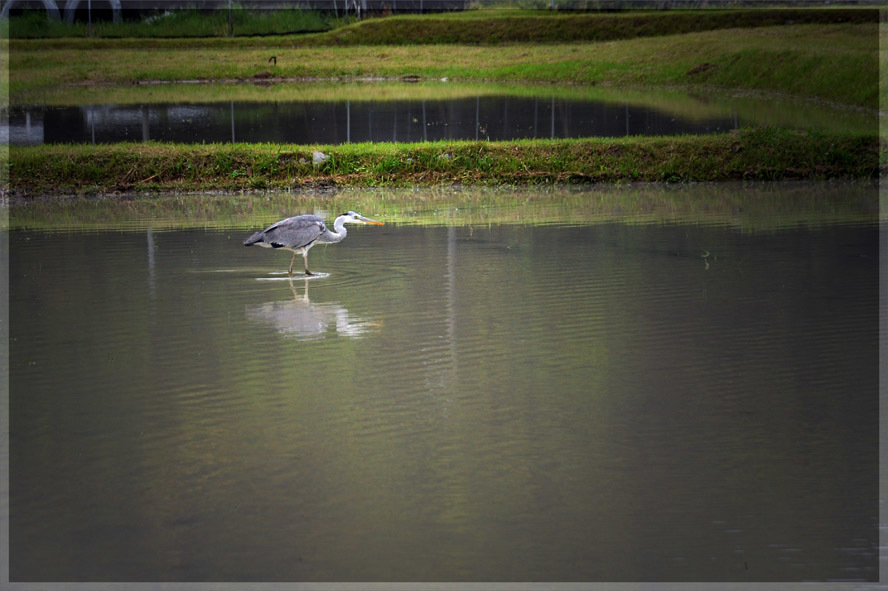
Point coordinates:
[(754, 207), (315, 91)]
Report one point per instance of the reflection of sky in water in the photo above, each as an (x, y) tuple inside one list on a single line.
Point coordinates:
[(22, 129), (305, 320)]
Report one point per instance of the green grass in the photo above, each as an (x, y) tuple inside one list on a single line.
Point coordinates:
[(465, 27), (835, 63), (761, 154), (498, 27)]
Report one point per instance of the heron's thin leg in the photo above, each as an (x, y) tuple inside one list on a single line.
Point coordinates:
[(293, 260), (305, 256)]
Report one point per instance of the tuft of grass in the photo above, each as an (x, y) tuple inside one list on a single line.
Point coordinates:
[(761, 154)]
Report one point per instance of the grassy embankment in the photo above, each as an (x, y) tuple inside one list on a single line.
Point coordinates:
[(471, 27), (748, 154), (837, 63), (832, 62)]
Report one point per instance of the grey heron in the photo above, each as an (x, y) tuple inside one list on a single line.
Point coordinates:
[(299, 233)]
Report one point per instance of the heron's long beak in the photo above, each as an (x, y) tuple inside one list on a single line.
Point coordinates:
[(369, 221)]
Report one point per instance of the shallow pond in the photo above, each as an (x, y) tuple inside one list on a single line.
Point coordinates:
[(540, 389), (493, 118), (386, 112)]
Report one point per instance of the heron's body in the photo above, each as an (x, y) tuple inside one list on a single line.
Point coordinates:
[(299, 233)]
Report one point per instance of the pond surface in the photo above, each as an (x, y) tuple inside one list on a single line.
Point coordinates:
[(488, 117), (590, 399)]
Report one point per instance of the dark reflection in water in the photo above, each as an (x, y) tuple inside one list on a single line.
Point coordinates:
[(493, 118), (532, 403)]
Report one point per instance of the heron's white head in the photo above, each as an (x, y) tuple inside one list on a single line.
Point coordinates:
[(353, 217)]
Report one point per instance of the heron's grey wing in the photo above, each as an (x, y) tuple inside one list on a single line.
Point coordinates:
[(295, 232)]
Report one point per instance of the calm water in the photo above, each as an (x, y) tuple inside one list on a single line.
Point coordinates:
[(493, 118), (501, 402), (475, 118)]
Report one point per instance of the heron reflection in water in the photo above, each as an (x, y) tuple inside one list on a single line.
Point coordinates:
[(305, 320), (299, 233)]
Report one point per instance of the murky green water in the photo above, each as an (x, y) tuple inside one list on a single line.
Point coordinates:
[(575, 398)]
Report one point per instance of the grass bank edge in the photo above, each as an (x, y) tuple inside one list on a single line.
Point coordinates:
[(748, 207), (754, 154)]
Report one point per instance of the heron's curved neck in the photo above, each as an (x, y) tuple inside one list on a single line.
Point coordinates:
[(339, 230)]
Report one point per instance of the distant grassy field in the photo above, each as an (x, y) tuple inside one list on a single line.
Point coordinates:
[(504, 26), (474, 27), (767, 154), (836, 63)]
